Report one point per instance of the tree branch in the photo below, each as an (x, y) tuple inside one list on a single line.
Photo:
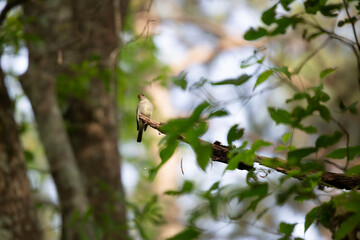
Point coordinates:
[(9, 5), (352, 24), (220, 152), (302, 64)]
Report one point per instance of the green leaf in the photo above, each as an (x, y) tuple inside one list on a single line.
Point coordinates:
[(285, 138), (190, 233), (29, 156), (218, 113), (187, 187), (248, 61), (283, 23), (317, 88), (341, 153), (268, 17), (351, 108), (203, 152), (354, 170), (198, 84), (273, 163), (323, 96), (253, 34), (326, 72), (245, 156), (168, 151), (326, 212), (260, 143), (286, 228), (283, 70), (281, 148), (261, 60), (299, 113), (310, 217), (195, 116), (263, 77), (324, 113), (341, 23), (347, 226), (234, 134), (296, 155), (233, 81), (259, 190), (309, 129), (325, 141), (313, 6), (181, 82), (330, 10), (285, 4), (213, 187), (299, 96), (314, 35), (280, 115), (202, 149)]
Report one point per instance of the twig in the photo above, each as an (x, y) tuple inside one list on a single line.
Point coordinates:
[(342, 128), (252, 225), (302, 64), (334, 164), (357, 53), (220, 152), (181, 166), (288, 82), (352, 24), (331, 34)]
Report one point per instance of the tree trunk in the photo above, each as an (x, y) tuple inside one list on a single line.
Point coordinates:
[(17, 210), (77, 40)]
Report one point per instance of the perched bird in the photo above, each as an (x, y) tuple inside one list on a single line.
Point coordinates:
[(144, 107)]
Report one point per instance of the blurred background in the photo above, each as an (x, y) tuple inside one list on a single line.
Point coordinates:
[(171, 51)]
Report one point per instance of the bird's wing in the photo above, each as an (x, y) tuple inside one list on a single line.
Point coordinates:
[(137, 117)]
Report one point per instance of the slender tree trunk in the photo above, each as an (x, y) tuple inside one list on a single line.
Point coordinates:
[(17, 210), (77, 40), (39, 85)]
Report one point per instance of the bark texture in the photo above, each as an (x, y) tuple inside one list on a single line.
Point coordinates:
[(17, 210), (73, 54)]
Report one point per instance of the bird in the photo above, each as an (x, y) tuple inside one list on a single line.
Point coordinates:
[(145, 108)]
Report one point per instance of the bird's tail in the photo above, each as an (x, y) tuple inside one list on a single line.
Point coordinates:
[(139, 138)]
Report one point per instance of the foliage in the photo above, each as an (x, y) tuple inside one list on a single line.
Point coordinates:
[(137, 64), (147, 217), (341, 213)]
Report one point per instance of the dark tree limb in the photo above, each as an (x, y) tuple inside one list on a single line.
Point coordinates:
[(220, 152)]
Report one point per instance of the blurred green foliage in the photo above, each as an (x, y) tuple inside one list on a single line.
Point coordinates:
[(138, 67), (341, 213)]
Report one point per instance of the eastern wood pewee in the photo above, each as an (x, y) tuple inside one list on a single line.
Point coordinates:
[(144, 107)]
